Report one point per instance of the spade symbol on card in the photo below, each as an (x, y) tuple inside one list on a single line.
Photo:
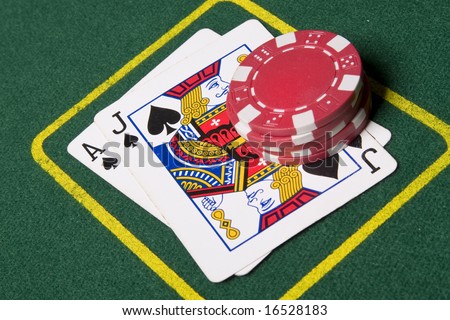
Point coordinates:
[(356, 143), (130, 140), (325, 168), (161, 119), (109, 163)]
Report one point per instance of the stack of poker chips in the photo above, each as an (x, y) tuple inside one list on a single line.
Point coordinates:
[(300, 97)]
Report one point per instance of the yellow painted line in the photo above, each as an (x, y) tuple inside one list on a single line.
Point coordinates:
[(84, 198), (153, 261), (390, 208), (412, 109), (264, 15), (367, 229), (112, 224)]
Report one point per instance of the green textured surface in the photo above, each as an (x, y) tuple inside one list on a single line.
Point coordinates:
[(54, 53)]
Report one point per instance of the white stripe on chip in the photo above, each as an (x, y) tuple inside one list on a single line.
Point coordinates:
[(270, 157), (285, 39), (349, 82), (357, 92), (338, 43), (241, 73), (304, 120), (242, 129), (360, 116), (248, 113), (338, 128), (302, 138)]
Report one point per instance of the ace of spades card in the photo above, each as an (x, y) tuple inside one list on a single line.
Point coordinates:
[(227, 206)]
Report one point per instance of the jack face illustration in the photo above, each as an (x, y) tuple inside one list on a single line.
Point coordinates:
[(262, 196), (215, 89)]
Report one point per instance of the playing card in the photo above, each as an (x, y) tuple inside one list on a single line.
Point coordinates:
[(90, 146), (200, 39), (226, 230), (231, 208), (251, 27), (381, 135)]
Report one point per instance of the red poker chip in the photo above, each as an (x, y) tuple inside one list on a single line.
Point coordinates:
[(330, 129), (288, 160), (295, 83), (321, 151), (319, 144)]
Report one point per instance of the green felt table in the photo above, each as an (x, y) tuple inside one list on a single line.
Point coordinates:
[(57, 56)]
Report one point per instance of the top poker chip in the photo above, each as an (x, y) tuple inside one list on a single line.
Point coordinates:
[(295, 82)]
